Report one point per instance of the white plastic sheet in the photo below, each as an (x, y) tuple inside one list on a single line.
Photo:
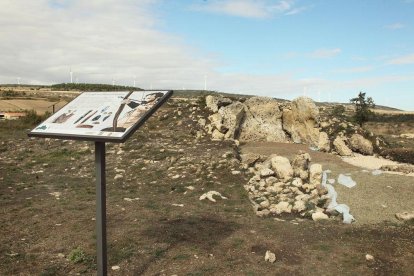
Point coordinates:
[(347, 181), (333, 195)]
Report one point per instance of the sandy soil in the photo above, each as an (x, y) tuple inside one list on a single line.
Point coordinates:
[(371, 163), (375, 198)]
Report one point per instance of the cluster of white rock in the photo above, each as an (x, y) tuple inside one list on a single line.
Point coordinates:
[(264, 119), (280, 186)]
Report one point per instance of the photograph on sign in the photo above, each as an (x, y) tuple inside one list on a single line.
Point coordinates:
[(101, 114)]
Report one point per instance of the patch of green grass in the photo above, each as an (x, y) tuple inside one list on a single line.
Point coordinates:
[(323, 247), (238, 242), (152, 205), (159, 252), (182, 257), (119, 254), (77, 255)]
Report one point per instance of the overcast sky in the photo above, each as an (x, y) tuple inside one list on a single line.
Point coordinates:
[(328, 50)]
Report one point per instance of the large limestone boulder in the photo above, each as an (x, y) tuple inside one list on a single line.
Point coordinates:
[(263, 121), (341, 148), (358, 143), (301, 121), (215, 102), (282, 168), (324, 143)]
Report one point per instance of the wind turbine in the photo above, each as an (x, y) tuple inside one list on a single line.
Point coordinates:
[(71, 75), (18, 80), (134, 80)]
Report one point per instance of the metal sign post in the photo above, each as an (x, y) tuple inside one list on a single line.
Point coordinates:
[(101, 255), (102, 117)]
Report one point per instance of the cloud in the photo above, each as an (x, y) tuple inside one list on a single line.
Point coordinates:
[(325, 53), (251, 8), (395, 26), (407, 59), (100, 39), (360, 69)]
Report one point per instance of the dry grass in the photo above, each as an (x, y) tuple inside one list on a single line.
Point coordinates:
[(40, 106), (151, 236)]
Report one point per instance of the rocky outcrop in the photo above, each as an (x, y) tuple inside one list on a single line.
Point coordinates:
[(263, 121), (359, 144), (301, 121), (266, 119)]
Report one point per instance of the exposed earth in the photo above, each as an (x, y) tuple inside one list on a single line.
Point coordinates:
[(158, 226)]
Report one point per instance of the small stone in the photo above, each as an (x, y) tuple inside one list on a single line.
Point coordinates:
[(319, 216), (265, 204), (405, 216), (299, 206), (266, 172), (115, 267), (130, 199), (369, 257), (56, 194), (270, 257), (118, 176), (209, 195), (61, 255)]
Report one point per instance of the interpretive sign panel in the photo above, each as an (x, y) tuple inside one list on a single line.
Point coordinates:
[(102, 116)]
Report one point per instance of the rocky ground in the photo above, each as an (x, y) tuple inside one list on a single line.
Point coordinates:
[(161, 220)]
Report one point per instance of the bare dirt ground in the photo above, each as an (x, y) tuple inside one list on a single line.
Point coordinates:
[(375, 198), (47, 203)]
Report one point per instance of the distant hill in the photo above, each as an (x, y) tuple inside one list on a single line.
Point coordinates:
[(91, 87)]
